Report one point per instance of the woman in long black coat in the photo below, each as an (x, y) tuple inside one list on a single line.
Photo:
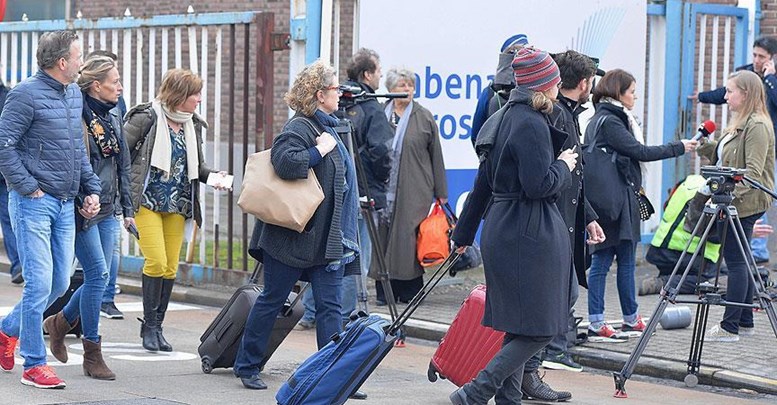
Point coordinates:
[(525, 244)]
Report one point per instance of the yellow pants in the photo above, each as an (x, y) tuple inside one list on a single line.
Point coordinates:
[(161, 238)]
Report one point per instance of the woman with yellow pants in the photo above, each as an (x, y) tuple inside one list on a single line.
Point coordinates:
[(165, 136)]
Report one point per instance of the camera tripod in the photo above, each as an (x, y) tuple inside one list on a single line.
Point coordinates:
[(725, 214)]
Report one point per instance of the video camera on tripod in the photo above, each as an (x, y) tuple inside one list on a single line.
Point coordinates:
[(352, 95), (722, 180)]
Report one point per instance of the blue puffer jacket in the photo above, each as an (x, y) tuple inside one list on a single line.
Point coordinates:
[(42, 140)]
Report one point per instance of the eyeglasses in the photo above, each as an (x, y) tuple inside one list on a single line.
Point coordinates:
[(337, 87)]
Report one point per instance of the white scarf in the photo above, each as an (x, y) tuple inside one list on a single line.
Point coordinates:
[(635, 127), (161, 155)]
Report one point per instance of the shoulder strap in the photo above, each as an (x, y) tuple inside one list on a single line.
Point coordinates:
[(597, 126)]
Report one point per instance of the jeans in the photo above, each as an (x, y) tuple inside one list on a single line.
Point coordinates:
[(503, 374), (279, 279), (94, 248), (9, 239), (113, 271), (626, 252), (759, 245), (45, 230), (739, 287), (350, 283)]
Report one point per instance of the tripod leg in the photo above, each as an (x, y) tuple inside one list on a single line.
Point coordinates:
[(631, 363), (764, 300), (697, 343)]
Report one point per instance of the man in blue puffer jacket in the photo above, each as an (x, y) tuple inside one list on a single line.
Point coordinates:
[(44, 162)]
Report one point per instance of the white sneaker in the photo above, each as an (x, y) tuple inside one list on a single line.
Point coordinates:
[(718, 334), (744, 331)]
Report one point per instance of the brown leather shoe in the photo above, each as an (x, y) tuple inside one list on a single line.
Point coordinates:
[(94, 365), (57, 327)]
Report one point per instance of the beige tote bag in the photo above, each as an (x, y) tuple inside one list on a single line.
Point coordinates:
[(286, 203)]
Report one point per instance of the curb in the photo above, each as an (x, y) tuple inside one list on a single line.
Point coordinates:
[(585, 355)]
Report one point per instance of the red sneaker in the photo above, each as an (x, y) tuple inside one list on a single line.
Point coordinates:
[(42, 376), (7, 348), (637, 326)]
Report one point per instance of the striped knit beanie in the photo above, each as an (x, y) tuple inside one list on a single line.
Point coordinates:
[(535, 70)]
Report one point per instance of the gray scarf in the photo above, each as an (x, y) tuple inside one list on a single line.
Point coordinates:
[(399, 137)]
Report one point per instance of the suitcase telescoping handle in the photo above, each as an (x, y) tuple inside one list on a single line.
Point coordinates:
[(255, 275), (423, 293), (296, 299)]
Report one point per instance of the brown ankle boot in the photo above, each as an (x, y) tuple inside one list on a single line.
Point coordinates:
[(57, 327), (94, 365)]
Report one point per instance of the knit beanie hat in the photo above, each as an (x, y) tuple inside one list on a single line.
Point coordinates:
[(515, 39), (535, 70)]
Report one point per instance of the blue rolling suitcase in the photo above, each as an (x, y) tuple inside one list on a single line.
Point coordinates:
[(332, 374)]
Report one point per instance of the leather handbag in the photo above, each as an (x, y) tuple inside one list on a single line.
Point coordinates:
[(645, 206), (273, 200)]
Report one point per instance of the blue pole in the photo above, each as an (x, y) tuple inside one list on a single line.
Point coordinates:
[(757, 22), (672, 102), (313, 43)]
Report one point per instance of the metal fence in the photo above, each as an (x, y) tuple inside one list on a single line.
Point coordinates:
[(232, 52)]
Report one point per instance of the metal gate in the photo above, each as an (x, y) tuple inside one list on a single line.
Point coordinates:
[(691, 47), (232, 52)]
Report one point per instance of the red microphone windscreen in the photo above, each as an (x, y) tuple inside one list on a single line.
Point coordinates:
[(710, 126)]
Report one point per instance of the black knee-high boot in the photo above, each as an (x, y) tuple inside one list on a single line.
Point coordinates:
[(167, 290), (149, 330)]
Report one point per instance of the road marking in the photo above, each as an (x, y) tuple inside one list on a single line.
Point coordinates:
[(136, 306)]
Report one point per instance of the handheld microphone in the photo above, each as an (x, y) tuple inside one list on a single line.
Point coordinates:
[(705, 129)]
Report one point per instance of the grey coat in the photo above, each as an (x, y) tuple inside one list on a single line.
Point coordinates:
[(421, 179), (525, 242), (140, 133)]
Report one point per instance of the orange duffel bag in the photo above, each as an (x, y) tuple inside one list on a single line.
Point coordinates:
[(433, 244)]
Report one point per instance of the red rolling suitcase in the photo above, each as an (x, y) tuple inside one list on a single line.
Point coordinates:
[(467, 346)]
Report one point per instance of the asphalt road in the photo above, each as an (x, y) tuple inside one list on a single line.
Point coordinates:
[(157, 379)]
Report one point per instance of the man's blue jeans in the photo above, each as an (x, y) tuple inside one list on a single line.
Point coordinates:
[(94, 248), (597, 280), (350, 283), (113, 271), (9, 239), (759, 245), (278, 282), (45, 230)]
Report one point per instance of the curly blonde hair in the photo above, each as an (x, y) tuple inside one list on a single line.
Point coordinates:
[(301, 97)]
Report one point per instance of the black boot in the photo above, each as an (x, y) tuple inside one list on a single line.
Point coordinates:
[(167, 290), (149, 331)]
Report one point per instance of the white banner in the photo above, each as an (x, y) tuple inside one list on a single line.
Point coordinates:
[(453, 47)]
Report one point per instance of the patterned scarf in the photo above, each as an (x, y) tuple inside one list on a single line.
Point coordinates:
[(97, 118)]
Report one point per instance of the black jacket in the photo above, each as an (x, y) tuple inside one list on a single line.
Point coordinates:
[(321, 241), (572, 204), (373, 140), (114, 175), (616, 135)]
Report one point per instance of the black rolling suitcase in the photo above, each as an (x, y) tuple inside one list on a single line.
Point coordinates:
[(76, 280), (220, 342)]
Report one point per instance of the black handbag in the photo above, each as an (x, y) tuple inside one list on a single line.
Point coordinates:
[(604, 185), (645, 207)]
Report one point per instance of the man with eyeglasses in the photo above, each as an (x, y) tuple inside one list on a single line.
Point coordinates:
[(43, 159)]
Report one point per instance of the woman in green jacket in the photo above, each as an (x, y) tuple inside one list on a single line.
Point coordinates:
[(747, 143)]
